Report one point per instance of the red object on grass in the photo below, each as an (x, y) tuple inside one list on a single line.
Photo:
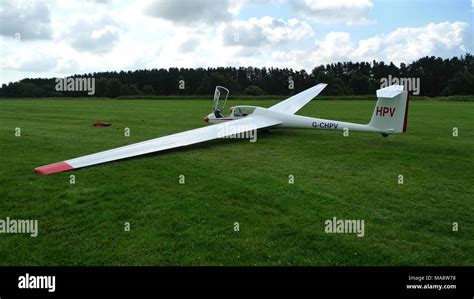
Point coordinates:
[(53, 168), (102, 124)]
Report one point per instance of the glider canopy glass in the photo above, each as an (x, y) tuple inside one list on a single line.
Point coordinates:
[(220, 99), (241, 111)]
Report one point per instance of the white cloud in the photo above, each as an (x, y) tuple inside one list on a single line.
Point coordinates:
[(100, 1), (28, 61), (348, 11), (189, 45), (30, 20), (95, 34), (266, 31), (193, 11), (401, 45)]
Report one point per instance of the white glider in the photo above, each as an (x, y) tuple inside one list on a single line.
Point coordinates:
[(389, 117)]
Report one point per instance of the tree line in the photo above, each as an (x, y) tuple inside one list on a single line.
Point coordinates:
[(438, 77)]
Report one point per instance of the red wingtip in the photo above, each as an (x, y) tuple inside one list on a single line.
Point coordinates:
[(53, 168)]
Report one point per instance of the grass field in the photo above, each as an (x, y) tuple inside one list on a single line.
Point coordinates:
[(228, 181)]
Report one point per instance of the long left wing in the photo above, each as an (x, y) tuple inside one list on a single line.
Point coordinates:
[(163, 143), (296, 102)]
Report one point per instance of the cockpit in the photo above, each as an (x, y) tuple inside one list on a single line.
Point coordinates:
[(220, 99), (241, 111)]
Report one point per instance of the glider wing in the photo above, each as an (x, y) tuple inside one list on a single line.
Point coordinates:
[(296, 102), (252, 122)]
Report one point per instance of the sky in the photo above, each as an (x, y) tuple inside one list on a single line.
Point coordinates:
[(57, 38)]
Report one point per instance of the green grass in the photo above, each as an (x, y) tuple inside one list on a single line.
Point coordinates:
[(231, 181)]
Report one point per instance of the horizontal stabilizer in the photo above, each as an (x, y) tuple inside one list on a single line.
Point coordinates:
[(390, 91)]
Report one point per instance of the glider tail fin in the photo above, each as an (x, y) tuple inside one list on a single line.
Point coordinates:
[(391, 111)]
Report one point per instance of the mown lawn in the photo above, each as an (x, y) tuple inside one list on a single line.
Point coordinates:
[(228, 181)]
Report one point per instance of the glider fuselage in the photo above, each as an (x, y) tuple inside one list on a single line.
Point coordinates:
[(296, 121)]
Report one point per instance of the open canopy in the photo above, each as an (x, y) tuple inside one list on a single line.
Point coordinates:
[(220, 98)]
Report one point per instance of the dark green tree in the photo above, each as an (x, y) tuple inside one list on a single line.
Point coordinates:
[(254, 90)]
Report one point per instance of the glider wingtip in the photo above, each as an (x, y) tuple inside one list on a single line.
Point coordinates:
[(320, 86), (53, 168)]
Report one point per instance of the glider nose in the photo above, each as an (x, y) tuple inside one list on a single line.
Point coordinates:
[(206, 119)]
